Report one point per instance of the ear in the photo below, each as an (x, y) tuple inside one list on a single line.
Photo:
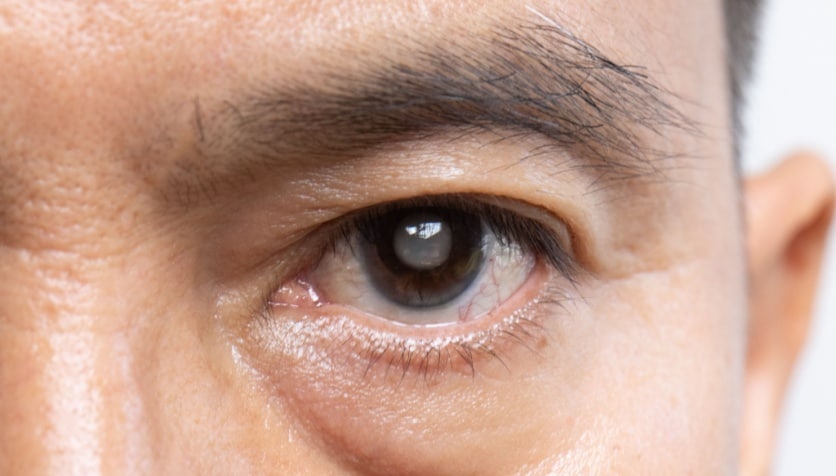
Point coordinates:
[(788, 212)]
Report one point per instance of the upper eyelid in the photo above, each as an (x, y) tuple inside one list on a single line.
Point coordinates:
[(565, 211)]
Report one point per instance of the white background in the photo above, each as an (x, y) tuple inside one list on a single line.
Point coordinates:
[(793, 105)]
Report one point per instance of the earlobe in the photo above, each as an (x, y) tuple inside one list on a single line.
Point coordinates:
[(788, 213)]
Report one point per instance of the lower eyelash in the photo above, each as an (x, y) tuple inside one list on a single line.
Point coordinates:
[(337, 340), (458, 356)]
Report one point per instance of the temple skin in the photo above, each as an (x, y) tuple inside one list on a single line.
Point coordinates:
[(164, 166)]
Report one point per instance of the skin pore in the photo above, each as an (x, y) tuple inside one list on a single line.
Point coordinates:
[(177, 182)]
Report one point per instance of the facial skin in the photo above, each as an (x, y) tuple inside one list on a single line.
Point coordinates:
[(170, 170)]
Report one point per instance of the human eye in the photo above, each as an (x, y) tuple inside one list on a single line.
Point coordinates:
[(426, 285)]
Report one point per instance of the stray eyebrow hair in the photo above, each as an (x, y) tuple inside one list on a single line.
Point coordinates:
[(533, 78)]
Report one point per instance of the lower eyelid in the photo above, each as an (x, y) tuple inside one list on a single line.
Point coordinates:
[(337, 337)]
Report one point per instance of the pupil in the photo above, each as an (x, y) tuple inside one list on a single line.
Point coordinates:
[(423, 257), (423, 241)]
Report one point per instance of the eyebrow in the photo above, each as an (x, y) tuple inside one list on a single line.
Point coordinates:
[(532, 78)]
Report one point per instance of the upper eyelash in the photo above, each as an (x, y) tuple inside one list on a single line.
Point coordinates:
[(509, 227)]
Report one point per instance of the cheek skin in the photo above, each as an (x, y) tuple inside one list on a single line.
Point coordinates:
[(443, 422), (610, 389), (671, 363), (99, 378)]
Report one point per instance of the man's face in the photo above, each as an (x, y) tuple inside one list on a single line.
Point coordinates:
[(205, 241)]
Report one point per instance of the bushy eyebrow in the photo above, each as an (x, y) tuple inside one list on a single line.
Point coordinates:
[(532, 78)]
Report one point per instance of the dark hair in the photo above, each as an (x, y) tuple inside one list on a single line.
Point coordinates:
[(742, 19)]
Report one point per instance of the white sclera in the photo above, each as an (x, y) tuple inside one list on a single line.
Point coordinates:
[(423, 241)]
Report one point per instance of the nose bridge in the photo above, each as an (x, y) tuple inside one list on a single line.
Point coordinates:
[(68, 403), (51, 407)]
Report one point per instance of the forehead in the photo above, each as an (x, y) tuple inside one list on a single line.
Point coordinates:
[(224, 33), (115, 74)]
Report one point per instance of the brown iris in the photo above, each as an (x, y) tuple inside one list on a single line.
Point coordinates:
[(423, 257)]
